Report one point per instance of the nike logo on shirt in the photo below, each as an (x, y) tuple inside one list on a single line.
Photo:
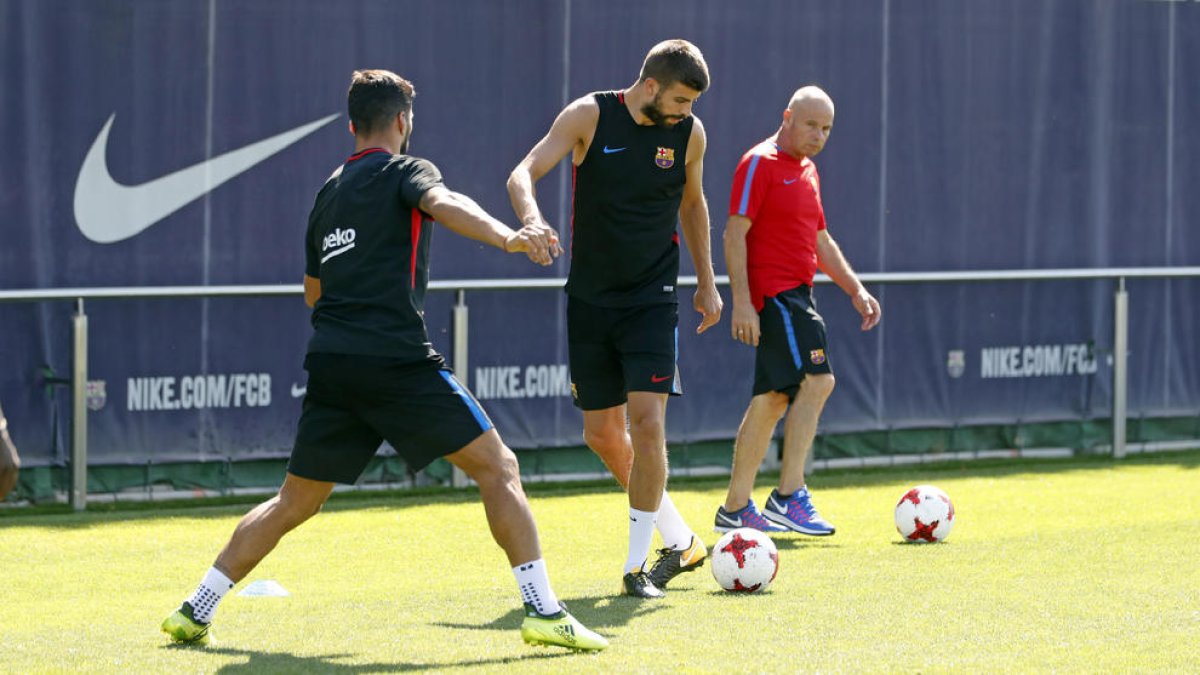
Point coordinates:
[(609, 151), (659, 378), (107, 211), (789, 182)]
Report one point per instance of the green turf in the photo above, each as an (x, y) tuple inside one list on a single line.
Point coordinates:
[(1081, 565)]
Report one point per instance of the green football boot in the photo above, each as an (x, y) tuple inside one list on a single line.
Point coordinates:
[(184, 629), (559, 629)]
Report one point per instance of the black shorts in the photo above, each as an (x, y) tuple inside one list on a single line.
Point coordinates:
[(616, 350), (355, 402), (792, 342)]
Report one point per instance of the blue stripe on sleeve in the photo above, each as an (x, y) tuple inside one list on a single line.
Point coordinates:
[(746, 186)]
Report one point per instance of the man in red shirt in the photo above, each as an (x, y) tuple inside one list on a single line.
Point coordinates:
[(775, 239)]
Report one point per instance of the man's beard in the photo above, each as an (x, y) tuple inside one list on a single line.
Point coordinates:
[(655, 114)]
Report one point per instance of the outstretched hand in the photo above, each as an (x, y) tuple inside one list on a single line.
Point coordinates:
[(539, 241)]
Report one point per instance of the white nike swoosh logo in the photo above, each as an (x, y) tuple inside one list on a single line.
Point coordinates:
[(108, 212), (789, 182), (735, 522), (298, 391)]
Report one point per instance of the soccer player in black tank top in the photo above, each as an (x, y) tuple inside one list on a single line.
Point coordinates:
[(624, 252), (639, 162), (373, 374)]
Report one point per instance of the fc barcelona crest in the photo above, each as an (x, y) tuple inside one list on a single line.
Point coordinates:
[(817, 356), (665, 158), (96, 395), (956, 362)]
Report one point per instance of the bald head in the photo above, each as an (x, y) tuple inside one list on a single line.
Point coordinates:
[(811, 96), (806, 122)]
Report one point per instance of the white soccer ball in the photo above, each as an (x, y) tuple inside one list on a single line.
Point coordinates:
[(924, 515), (744, 561)]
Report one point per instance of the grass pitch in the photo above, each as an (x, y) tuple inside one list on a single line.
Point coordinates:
[(1080, 565)]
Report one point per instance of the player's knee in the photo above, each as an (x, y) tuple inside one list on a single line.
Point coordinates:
[(500, 469), (646, 418), (605, 439), (647, 435), (772, 404), (295, 509), (818, 387), (507, 469), (648, 424)]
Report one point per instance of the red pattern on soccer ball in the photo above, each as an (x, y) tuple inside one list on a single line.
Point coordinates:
[(912, 495), (738, 546), (924, 531), (950, 504), (739, 588)]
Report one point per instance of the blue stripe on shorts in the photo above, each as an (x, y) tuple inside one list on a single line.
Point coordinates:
[(791, 333), (675, 380), (472, 404)]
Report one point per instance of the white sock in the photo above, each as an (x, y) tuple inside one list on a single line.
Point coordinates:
[(535, 586), (208, 595), (675, 533), (641, 533)]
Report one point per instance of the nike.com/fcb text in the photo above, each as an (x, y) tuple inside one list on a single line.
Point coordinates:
[(197, 392)]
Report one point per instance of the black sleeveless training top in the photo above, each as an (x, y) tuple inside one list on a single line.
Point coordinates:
[(624, 241)]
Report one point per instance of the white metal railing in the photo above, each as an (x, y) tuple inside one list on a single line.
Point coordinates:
[(460, 320)]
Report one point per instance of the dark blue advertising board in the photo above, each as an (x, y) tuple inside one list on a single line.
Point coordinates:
[(181, 142)]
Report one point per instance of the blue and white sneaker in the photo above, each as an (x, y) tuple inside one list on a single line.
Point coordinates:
[(797, 513), (747, 516)]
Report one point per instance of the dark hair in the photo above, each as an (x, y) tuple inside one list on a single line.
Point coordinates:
[(674, 61), (376, 97)]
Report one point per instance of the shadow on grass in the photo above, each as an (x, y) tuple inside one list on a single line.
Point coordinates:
[(280, 662), (738, 596), (788, 543), (592, 612)]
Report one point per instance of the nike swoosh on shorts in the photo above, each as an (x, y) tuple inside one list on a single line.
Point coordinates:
[(108, 212)]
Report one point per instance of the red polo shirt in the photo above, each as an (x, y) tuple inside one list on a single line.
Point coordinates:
[(781, 195)]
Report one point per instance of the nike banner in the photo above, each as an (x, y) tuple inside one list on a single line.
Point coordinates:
[(182, 142)]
